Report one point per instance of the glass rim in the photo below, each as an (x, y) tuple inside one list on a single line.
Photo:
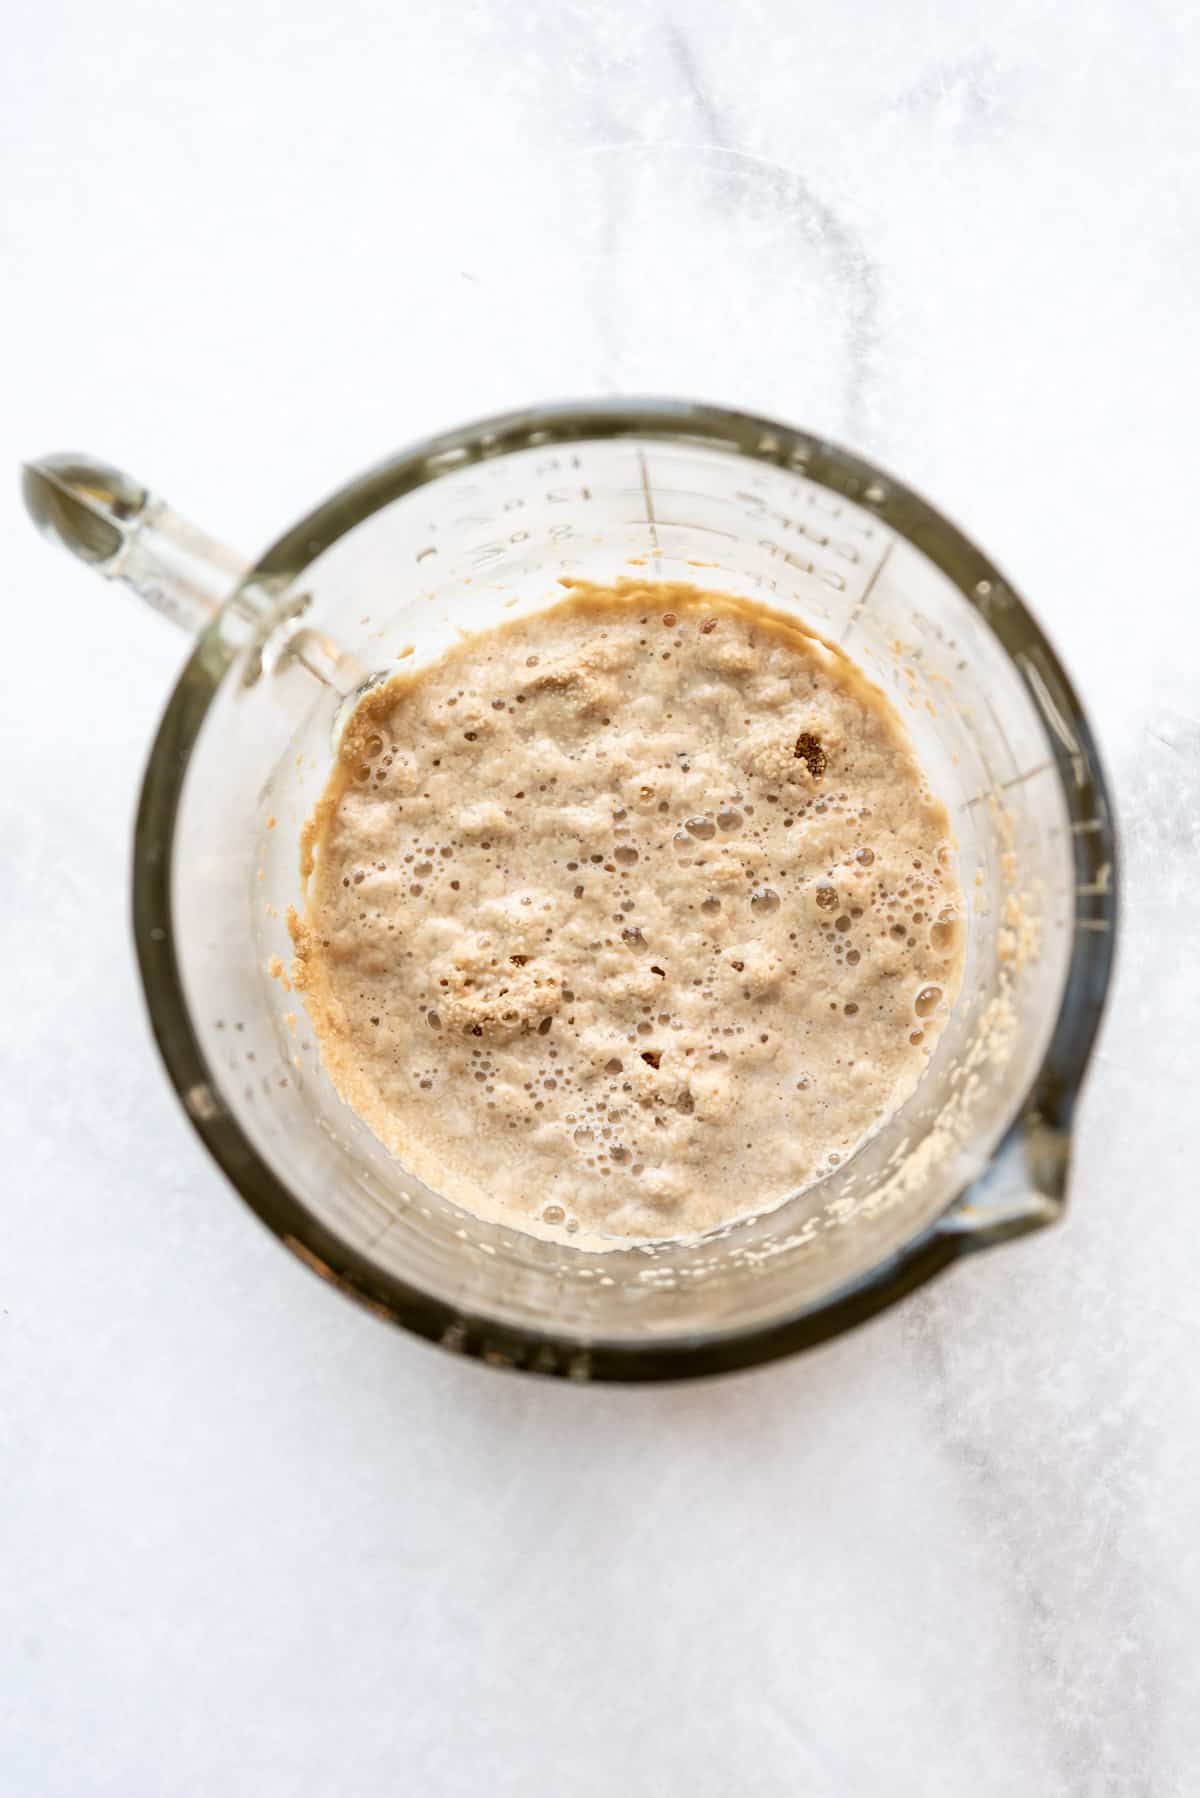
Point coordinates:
[(1051, 1094)]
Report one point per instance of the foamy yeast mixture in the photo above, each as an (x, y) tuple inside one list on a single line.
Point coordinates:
[(628, 917)]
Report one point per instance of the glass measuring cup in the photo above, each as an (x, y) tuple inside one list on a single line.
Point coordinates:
[(451, 535)]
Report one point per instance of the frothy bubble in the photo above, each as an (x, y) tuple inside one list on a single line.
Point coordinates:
[(942, 935)]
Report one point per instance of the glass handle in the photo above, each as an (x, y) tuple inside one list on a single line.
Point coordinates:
[(1022, 1188), (126, 533)]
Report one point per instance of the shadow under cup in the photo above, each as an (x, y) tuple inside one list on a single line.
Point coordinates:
[(458, 534)]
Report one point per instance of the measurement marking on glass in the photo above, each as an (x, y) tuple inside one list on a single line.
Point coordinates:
[(1053, 714), (710, 499), (388, 1224), (1006, 786), (867, 591), (1102, 883), (649, 499), (682, 524)]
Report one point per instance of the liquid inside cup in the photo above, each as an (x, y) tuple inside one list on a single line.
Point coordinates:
[(628, 917)]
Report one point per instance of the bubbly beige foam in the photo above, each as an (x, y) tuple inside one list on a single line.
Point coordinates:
[(628, 917)]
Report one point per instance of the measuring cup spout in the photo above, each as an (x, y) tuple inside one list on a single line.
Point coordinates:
[(1023, 1187), (126, 533)]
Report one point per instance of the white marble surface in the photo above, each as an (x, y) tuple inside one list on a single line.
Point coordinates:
[(254, 1542)]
